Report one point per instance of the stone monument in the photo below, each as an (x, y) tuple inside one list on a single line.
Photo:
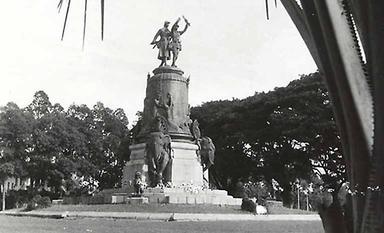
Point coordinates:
[(169, 152)]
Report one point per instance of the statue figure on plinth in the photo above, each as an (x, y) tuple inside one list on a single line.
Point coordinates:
[(163, 43), (195, 130), (207, 152), (138, 184), (167, 111), (158, 151), (169, 41), (175, 45)]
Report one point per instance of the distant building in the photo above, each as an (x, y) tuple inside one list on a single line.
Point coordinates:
[(15, 183)]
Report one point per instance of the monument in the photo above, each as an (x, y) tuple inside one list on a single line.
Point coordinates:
[(170, 154)]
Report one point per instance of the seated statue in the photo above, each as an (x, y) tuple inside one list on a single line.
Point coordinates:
[(138, 184)]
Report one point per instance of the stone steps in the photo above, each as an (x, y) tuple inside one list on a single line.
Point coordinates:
[(179, 196)]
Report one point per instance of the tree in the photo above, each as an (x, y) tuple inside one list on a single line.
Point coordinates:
[(219, 121), (91, 144), (51, 137), (6, 170), (114, 135), (15, 131), (283, 135)]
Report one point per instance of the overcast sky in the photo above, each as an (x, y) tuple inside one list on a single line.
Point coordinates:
[(231, 50)]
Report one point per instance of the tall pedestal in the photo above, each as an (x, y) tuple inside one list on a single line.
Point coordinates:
[(185, 167), (169, 148)]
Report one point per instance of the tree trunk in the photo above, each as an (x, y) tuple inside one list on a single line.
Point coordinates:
[(286, 196), (333, 219), (298, 198), (3, 206)]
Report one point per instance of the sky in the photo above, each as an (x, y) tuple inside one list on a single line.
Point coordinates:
[(230, 51)]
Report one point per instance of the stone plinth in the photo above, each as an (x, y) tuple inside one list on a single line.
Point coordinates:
[(136, 200), (57, 202), (136, 163), (118, 198), (190, 195), (185, 167)]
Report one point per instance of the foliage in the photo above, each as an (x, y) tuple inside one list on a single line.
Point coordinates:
[(257, 190), (15, 130), (16, 199), (284, 134), (248, 205), (38, 202), (51, 145)]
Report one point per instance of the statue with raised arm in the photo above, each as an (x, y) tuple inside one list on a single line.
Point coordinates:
[(163, 43), (175, 44)]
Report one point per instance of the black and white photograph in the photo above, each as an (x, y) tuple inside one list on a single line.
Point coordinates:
[(188, 116)]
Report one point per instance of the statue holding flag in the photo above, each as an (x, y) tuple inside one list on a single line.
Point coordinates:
[(169, 41)]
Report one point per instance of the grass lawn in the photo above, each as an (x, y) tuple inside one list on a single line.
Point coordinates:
[(85, 225), (168, 208)]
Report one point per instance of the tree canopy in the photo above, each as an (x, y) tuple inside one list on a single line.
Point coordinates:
[(285, 134), (52, 145)]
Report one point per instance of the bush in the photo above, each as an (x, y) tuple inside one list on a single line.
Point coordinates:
[(15, 199), (239, 190), (21, 198), (248, 205), (38, 202), (257, 190)]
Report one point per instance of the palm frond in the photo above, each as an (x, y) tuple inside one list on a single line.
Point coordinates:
[(102, 19), (85, 20), (60, 5), (267, 8), (66, 18)]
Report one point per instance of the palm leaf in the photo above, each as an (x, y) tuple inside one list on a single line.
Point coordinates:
[(60, 5), (66, 18), (102, 19), (85, 20)]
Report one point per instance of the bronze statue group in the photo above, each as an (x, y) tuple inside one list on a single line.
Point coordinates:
[(169, 41)]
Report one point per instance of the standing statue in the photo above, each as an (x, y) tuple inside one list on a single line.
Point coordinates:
[(169, 41), (163, 43), (167, 111), (195, 130), (207, 152), (175, 45), (158, 150)]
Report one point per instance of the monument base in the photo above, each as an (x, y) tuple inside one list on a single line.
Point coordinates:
[(136, 163), (186, 175), (190, 195), (185, 166)]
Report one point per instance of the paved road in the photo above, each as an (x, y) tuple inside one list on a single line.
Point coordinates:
[(10, 224)]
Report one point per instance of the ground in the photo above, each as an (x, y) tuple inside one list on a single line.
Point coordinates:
[(169, 208), (85, 225)]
